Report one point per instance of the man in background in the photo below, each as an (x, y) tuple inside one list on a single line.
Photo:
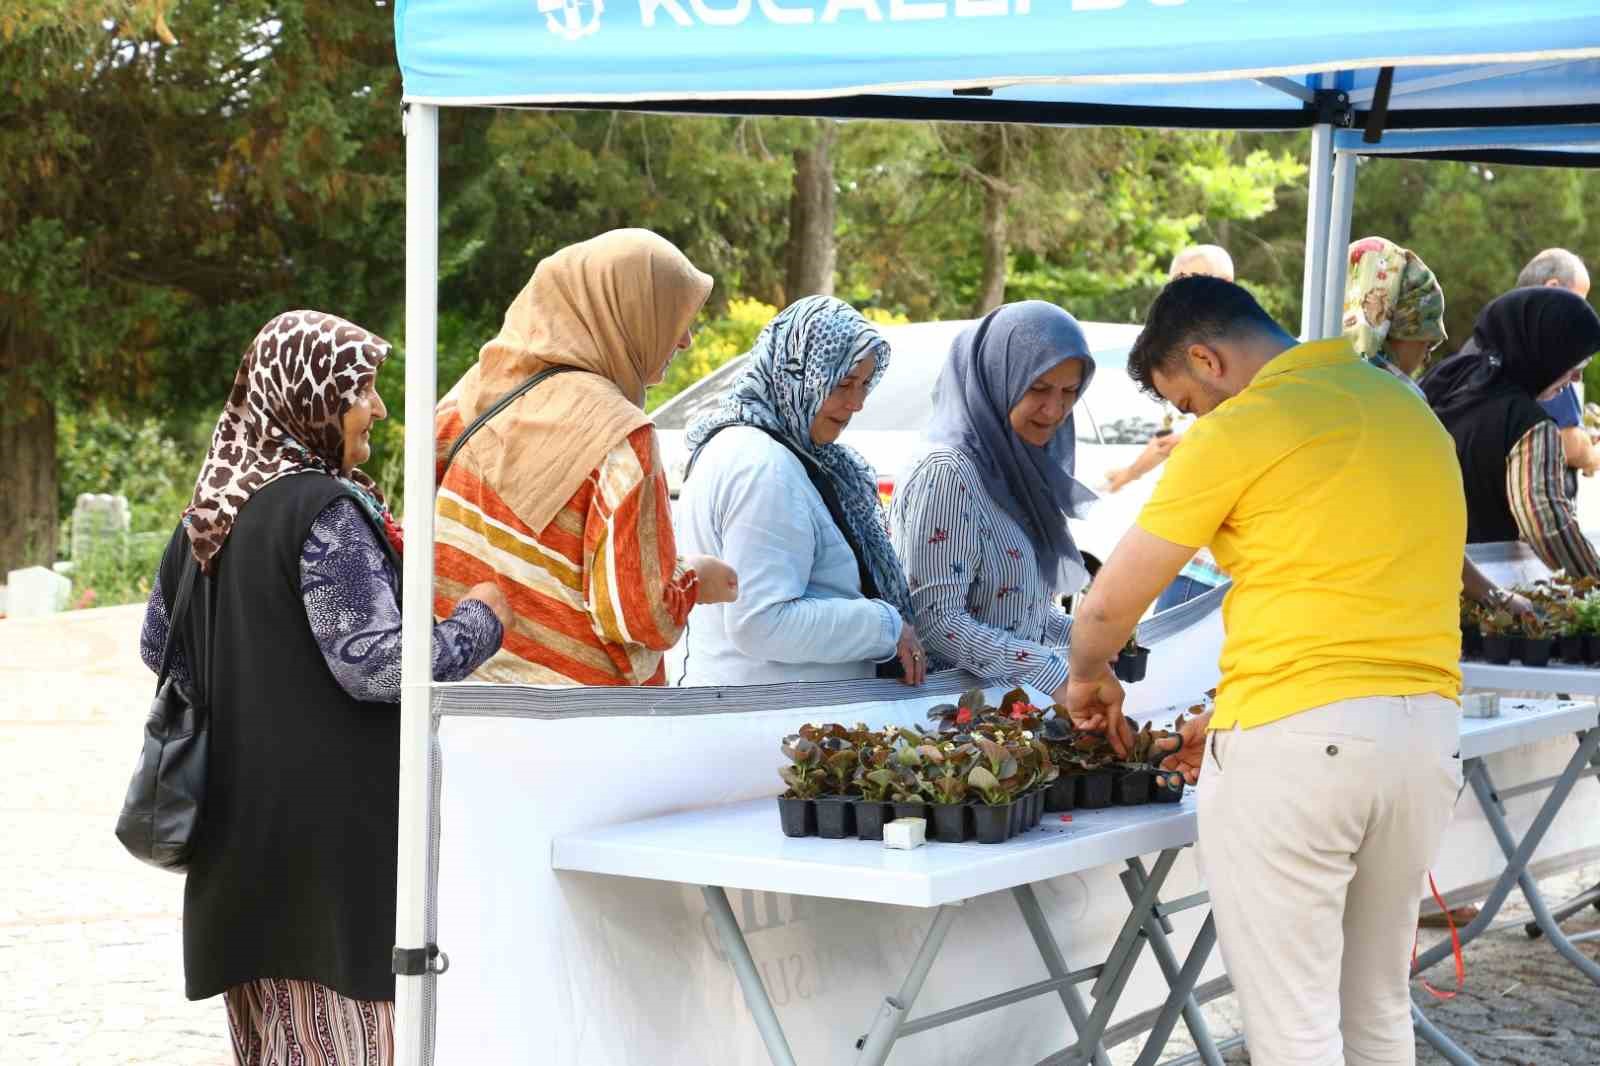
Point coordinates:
[(1201, 575), (1562, 269)]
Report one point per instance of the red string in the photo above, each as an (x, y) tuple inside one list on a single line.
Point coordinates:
[(1455, 947)]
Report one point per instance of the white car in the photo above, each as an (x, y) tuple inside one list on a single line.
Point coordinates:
[(1114, 421)]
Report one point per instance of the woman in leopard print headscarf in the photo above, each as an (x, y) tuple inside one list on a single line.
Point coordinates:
[(293, 643), (299, 378)]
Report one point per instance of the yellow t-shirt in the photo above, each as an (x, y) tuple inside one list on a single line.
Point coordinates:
[(1332, 496)]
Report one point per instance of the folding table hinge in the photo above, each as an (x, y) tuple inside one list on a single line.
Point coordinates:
[(415, 962)]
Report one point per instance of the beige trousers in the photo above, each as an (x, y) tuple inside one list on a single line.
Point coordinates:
[(1316, 832)]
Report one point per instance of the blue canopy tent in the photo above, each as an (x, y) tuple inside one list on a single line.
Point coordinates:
[(1433, 76)]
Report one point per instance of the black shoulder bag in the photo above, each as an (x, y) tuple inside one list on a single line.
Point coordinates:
[(495, 408), (162, 810)]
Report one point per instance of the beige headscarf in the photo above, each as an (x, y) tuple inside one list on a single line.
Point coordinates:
[(614, 305)]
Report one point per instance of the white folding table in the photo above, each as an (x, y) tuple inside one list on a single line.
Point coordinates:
[(1521, 722), (740, 847)]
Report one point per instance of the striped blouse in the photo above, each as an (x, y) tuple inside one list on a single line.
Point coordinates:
[(598, 594), (979, 600), (1536, 471)]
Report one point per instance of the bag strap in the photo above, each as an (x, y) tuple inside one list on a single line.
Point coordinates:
[(495, 408), (830, 499), (180, 607)]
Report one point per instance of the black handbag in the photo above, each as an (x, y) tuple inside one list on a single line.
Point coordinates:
[(162, 810)]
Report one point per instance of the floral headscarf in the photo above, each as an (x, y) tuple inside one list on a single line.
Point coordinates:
[(297, 379), (1390, 295), (799, 358)]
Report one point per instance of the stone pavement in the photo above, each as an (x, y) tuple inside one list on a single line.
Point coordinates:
[(91, 965), (90, 948)]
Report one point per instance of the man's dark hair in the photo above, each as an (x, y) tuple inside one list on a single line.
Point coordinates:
[(1552, 264), (1194, 309)]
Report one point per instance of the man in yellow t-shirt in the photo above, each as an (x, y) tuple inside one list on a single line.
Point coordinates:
[(1332, 496)]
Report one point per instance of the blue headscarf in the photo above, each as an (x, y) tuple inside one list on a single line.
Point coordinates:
[(799, 358), (990, 367)]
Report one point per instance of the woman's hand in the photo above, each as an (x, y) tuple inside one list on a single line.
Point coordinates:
[(488, 593), (911, 656), (717, 580), (1189, 757)]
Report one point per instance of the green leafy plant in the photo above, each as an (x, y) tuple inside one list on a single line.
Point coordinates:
[(804, 775), (1498, 623)]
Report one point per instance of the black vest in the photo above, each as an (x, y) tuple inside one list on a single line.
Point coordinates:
[(1484, 435), (293, 874)]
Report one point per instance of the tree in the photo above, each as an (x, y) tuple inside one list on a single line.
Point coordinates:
[(165, 189), (813, 215)]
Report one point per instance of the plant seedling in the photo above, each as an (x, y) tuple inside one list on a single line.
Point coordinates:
[(805, 774)]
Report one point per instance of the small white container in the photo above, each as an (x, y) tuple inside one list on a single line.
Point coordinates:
[(905, 833), (1480, 705)]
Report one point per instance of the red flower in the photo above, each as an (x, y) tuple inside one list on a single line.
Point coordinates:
[(963, 716)]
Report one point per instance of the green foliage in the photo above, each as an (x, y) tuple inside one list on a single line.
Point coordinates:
[(715, 343), (100, 452)]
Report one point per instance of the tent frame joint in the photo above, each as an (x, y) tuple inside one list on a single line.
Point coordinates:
[(1332, 108)]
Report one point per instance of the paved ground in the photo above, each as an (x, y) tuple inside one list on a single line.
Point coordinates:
[(90, 953)]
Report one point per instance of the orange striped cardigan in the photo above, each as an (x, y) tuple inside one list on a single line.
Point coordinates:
[(599, 594)]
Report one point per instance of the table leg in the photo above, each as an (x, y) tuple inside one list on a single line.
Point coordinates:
[(744, 968), (1181, 998), (1205, 1047), (1518, 854), (885, 1028), (1530, 888), (1056, 965), (1447, 1048), (1119, 965)]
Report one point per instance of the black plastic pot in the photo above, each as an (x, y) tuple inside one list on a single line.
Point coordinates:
[(1161, 791), (797, 816), (1130, 665), (1497, 649), (1019, 817), (1093, 789), (870, 816), (992, 825), (1471, 642), (836, 817), (1570, 648), (911, 810), (1060, 794), (1035, 808), (950, 823), (1133, 787), (1536, 651)]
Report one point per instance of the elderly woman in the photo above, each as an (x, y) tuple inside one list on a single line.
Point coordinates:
[(559, 497), (981, 521), (289, 907), (1525, 347), (1393, 307), (822, 594)]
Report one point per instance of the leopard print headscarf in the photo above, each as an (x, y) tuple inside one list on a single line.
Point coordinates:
[(297, 379)]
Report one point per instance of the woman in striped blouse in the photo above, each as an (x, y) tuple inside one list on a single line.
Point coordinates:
[(560, 498), (981, 521), (1526, 346)]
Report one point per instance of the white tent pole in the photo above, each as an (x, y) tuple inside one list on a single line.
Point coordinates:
[(1339, 211), (416, 665), (1316, 230)]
